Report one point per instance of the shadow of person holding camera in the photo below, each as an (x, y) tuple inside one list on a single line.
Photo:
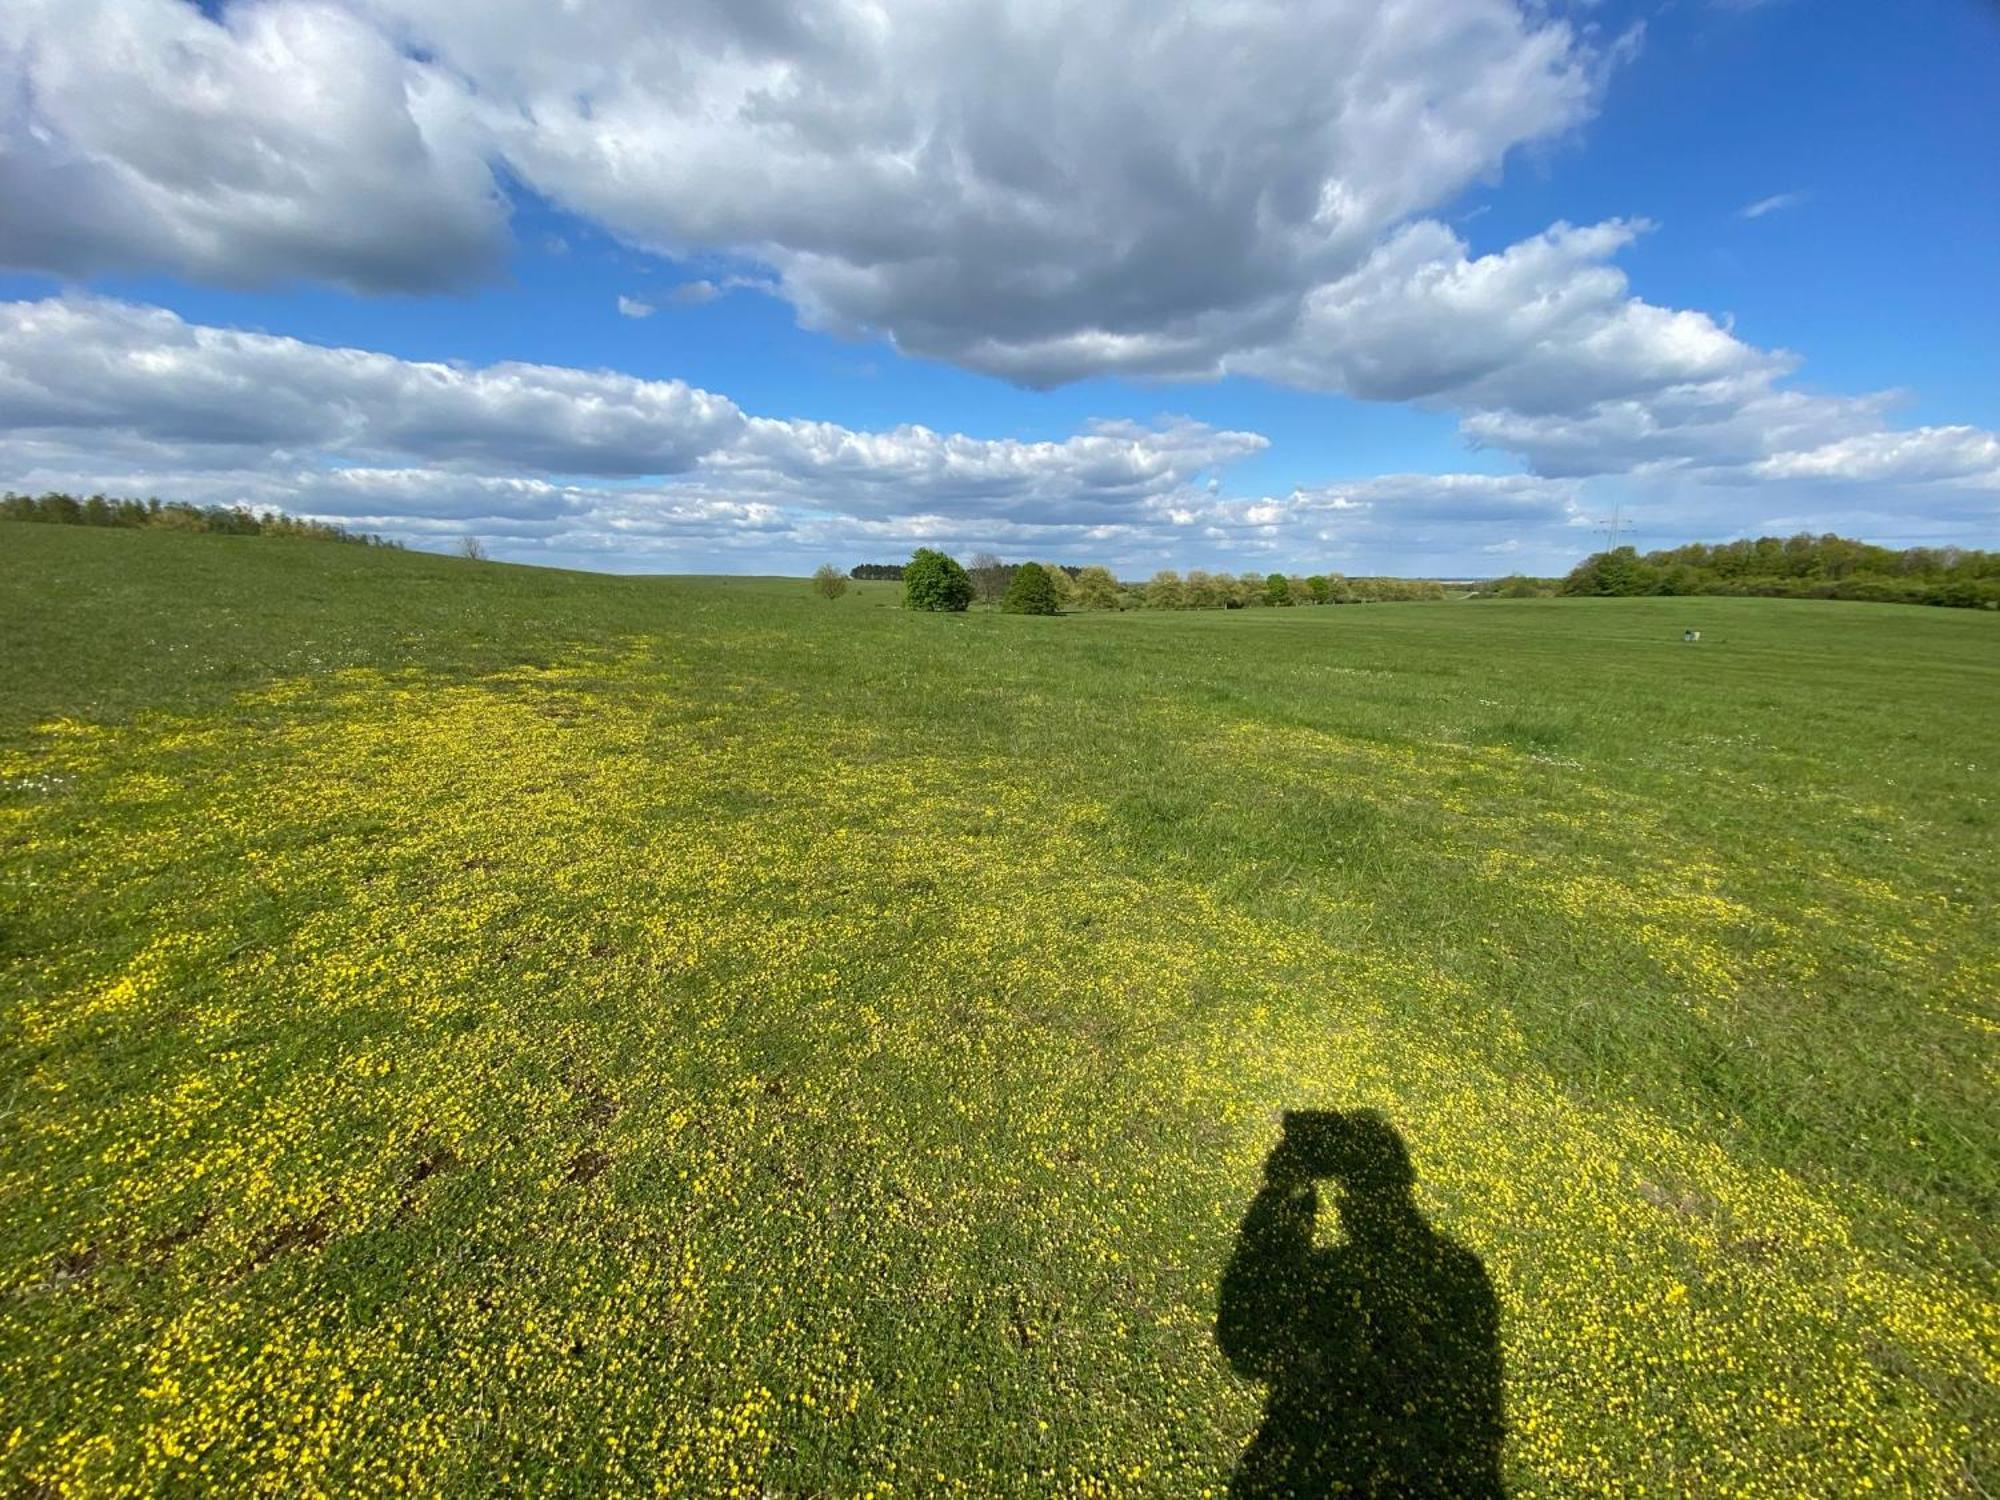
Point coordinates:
[(1381, 1351)]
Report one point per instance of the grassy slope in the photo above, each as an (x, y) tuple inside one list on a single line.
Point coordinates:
[(467, 1021)]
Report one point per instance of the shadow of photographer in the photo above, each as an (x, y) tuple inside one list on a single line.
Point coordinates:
[(1381, 1351)]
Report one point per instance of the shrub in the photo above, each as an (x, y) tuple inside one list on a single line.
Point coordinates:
[(1032, 592), (934, 581), (828, 581)]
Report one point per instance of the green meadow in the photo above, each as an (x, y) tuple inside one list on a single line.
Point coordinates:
[(471, 1029)]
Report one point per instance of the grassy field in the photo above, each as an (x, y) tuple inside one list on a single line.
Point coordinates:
[(475, 1029)]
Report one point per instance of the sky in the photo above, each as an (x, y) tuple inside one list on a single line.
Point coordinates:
[(1430, 287)]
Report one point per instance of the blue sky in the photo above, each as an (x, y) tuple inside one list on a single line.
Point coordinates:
[(1096, 387)]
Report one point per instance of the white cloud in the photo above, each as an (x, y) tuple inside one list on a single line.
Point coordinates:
[(1924, 455), (695, 293), (1104, 471), (1700, 426), (1418, 516), (1163, 193), (610, 470), (1547, 325), (633, 307), (286, 140), (1776, 203), (924, 170), (102, 394), (88, 364), (1545, 353)]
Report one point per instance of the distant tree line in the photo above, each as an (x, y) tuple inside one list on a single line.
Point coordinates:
[(935, 581), (990, 577), (1796, 567), (1198, 589), (237, 520)]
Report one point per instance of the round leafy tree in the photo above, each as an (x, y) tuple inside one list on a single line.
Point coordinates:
[(1096, 588), (1032, 592), (931, 580)]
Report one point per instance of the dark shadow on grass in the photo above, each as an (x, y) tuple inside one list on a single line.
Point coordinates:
[(1381, 1351)]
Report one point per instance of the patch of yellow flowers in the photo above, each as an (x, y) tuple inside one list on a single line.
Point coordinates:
[(570, 1082)]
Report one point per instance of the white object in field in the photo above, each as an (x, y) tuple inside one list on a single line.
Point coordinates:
[(1690, 635)]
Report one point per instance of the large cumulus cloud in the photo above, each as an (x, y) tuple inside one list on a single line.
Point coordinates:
[(96, 393), (1038, 190), (1546, 353), (91, 363), (283, 140)]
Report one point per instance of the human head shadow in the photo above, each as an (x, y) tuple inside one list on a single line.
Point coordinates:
[(1381, 1350)]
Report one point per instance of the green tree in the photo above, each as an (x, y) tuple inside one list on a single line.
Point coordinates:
[(828, 581), (1031, 592), (1277, 590), (1200, 591), (1063, 584), (1679, 579), (1096, 588), (1165, 591), (934, 581), (1621, 572)]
